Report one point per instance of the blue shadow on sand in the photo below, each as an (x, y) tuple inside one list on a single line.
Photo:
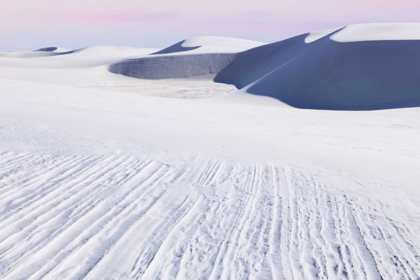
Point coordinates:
[(330, 75), (176, 48)]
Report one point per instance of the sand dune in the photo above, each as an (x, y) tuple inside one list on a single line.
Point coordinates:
[(44, 52), (360, 67), (326, 74), (378, 32), (177, 66), (189, 58), (210, 44)]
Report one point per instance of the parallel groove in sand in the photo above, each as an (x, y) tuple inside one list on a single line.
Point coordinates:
[(220, 220)]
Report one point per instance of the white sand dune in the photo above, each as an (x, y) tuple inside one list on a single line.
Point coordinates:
[(189, 58), (104, 176), (42, 52), (80, 58), (378, 32), (173, 66), (28, 54), (344, 70), (360, 67), (314, 36), (210, 44)]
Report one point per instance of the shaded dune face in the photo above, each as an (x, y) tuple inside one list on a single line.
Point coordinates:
[(326, 74), (48, 49), (177, 66), (252, 65), (43, 52), (176, 48)]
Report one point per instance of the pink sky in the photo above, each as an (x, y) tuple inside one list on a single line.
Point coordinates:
[(77, 23)]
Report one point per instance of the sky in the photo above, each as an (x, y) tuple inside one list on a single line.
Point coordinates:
[(32, 24)]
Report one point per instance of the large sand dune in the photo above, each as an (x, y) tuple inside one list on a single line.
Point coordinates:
[(326, 74), (360, 67), (189, 58)]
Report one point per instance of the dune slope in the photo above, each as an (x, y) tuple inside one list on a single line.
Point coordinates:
[(188, 58), (326, 74), (177, 66), (108, 185)]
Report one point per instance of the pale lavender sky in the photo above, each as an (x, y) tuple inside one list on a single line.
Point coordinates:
[(31, 24)]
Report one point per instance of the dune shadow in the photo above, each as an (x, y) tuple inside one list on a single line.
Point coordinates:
[(330, 75), (172, 66), (176, 48), (48, 49)]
